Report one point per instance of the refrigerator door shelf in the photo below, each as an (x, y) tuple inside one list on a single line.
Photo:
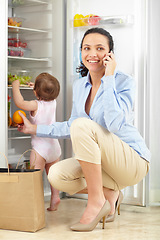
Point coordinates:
[(120, 20), (95, 20)]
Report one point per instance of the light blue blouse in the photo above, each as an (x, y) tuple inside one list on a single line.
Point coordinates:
[(112, 108)]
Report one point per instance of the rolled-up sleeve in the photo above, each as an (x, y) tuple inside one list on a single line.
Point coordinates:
[(118, 99)]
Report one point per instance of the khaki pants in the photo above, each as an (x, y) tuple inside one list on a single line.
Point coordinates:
[(121, 165)]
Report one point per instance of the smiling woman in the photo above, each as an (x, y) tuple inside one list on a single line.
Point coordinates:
[(109, 152)]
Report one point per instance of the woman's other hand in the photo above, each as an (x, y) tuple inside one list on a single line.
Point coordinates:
[(27, 127), (109, 63)]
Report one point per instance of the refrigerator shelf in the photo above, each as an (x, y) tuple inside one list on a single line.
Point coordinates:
[(14, 129), (29, 59), (17, 138), (13, 134), (25, 3), (22, 87), (14, 29)]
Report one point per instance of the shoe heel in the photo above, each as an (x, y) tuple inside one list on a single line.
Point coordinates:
[(104, 221), (118, 210)]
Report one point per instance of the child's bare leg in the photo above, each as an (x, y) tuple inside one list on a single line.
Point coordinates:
[(55, 199), (38, 162)]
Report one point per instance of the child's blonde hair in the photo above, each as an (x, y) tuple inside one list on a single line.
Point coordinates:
[(47, 87)]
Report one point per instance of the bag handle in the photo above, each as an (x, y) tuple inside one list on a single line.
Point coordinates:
[(31, 167), (6, 160)]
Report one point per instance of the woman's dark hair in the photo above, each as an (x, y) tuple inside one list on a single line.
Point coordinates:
[(47, 87), (82, 69)]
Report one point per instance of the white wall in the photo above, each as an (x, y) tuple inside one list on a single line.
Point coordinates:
[(154, 86)]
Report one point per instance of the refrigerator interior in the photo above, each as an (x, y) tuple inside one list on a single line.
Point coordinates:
[(126, 21), (38, 34)]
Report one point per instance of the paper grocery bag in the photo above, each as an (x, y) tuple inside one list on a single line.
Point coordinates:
[(21, 199)]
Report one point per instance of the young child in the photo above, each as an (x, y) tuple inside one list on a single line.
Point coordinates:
[(42, 111)]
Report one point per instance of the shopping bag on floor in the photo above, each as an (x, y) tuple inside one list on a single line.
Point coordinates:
[(21, 199)]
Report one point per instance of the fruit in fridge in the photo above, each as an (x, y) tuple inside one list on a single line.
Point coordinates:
[(17, 118)]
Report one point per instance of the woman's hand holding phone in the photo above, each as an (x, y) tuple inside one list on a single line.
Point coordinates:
[(109, 63)]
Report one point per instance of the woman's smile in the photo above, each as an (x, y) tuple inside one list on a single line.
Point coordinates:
[(93, 61)]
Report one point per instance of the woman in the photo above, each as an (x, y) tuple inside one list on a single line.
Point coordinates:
[(109, 152)]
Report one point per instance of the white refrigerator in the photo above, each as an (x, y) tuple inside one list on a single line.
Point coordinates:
[(53, 39), (127, 23)]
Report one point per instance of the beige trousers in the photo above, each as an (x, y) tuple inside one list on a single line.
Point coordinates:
[(121, 165)]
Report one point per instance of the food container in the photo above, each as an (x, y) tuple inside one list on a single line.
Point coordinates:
[(27, 164), (19, 52), (24, 76), (90, 19), (16, 42), (20, 166), (15, 21)]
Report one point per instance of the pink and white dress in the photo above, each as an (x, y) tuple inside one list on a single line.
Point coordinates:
[(48, 148)]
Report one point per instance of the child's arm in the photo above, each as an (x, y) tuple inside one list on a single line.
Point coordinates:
[(19, 100)]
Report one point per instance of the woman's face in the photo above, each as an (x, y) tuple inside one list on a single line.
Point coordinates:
[(94, 48)]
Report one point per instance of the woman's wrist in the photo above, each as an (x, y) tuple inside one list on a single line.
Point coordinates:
[(33, 129)]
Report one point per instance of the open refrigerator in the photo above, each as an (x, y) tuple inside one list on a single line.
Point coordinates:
[(29, 48), (53, 42), (126, 20)]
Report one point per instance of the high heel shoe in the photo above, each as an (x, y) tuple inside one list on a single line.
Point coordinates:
[(80, 227), (110, 218)]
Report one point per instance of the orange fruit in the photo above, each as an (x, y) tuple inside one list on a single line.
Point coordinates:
[(17, 118)]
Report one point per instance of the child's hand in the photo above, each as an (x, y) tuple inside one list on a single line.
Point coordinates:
[(15, 83), (110, 63), (30, 84)]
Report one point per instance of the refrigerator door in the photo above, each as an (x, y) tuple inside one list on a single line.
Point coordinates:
[(153, 77), (3, 82), (126, 21)]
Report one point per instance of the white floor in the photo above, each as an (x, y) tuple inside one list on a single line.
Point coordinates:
[(134, 223)]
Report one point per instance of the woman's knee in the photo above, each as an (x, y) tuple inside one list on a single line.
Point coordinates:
[(80, 123), (54, 176), (79, 126)]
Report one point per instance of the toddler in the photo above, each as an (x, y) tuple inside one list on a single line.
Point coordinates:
[(42, 111)]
